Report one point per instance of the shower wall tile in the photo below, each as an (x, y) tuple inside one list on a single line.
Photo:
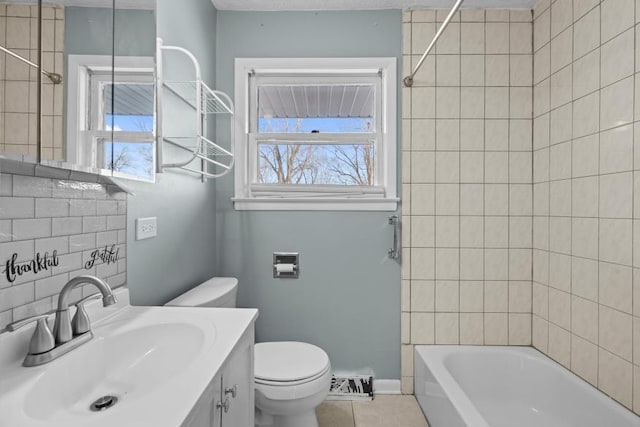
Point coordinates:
[(618, 57), (586, 34), (567, 171), (468, 196), (584, 240), (616, 17), (18, 81)]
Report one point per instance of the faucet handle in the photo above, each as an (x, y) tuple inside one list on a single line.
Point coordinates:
[(80, 323), (42, 339), (11, 327)]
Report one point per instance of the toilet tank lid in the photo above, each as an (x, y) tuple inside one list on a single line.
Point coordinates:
[(209, 293)]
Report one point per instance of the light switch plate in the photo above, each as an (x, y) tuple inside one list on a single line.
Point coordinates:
[(146, 228)]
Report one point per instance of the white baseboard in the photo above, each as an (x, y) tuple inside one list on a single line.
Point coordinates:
[(386, 386)]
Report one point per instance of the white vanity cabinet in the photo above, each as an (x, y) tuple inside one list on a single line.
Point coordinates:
[(229, 399)]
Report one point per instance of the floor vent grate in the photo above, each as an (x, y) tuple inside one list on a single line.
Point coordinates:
[(351, 388)]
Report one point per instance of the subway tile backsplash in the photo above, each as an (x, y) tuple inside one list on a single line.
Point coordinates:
[(52, 230)]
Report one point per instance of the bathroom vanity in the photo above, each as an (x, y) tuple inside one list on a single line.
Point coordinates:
[(228, 401), (145, 366)]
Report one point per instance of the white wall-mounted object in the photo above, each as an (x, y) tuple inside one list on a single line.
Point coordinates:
[(286, 265), (146, 228), (202, 155)]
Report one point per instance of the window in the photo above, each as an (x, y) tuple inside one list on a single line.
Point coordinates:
[(315, 134), (114, 119)]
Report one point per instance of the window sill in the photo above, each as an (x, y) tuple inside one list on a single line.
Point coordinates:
[(315, 204)]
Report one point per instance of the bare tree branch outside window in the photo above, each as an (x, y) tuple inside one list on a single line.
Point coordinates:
[(333, 164)]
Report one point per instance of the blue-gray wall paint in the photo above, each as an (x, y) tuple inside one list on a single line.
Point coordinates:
[(347, 299), (183, 255), (88, 31)]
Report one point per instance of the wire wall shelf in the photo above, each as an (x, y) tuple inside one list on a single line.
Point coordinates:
[(212, 100), (201, 154)]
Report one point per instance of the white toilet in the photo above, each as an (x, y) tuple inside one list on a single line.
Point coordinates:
[(291, 378)]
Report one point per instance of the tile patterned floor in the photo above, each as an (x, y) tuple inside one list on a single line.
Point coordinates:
[(383, 411)]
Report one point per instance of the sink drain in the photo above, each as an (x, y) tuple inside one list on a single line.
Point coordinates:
[(103, 403)]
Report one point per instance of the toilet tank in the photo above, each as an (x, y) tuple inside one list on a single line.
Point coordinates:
[(215, 292)]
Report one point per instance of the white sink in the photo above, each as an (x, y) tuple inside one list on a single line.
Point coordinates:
[(157, 361), (129, 363)]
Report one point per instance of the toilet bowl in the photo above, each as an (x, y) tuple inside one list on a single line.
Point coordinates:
[(291, 378)]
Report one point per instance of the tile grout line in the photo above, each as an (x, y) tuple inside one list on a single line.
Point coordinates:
[(435, 185), (484, 178), (353, 414), (409, 214), (633, 212), (598, 179), (572, 29), (548, 272), (459, 173), (509, 186), (532, 185)]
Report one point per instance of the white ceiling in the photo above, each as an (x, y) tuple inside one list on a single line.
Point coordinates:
[(363, 4)]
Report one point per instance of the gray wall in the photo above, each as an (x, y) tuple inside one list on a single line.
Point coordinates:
[(183, 254), (347, 299), (88, 30)]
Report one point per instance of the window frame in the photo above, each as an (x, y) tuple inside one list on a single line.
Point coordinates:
[(382, 196), (85, 112)]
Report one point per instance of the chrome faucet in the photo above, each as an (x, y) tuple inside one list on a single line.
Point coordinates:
[(68, 333), (62, 329)]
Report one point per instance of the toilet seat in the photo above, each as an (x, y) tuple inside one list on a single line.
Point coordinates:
[(293, 391), (289, 363), (292, 383)]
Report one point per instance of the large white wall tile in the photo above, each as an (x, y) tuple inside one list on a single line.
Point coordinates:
[(561, 16), (561, 50), (616, 195), (616, 104), (617, 16), (615, 332), (586, 33), (542, 30), (617, 58), (586, 74), (616, 288), (615, 377), (616, 150), (584, 359)]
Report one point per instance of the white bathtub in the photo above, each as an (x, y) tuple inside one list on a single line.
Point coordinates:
[(474, 386)]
